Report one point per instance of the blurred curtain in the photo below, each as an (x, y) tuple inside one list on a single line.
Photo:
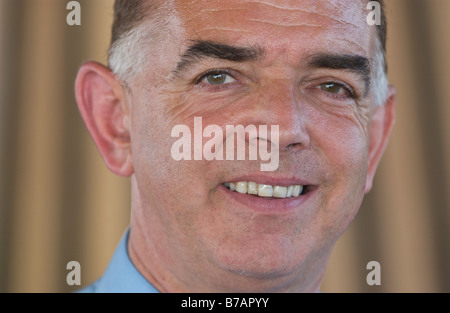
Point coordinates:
[(59, 203)]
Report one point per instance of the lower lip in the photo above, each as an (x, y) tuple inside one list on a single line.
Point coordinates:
[(269, 205)]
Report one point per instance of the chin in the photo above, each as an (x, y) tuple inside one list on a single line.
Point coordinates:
[(266, 259)]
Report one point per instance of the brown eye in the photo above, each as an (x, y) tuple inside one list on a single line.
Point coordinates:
[(218, 78), (332, 88)]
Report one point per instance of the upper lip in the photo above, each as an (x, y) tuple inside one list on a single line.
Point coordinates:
[(286, 180)]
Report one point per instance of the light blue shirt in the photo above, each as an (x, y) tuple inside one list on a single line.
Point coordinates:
[(121, 276)]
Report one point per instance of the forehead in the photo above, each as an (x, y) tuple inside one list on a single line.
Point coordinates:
[(284, 25)]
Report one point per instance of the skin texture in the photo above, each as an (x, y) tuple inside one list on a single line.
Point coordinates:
[(189, 233)]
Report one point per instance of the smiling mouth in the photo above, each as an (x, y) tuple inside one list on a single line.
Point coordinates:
[(267, 191)]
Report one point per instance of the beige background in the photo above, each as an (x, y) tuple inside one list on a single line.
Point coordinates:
[(59, 203)]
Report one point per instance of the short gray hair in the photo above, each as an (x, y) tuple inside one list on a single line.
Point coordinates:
[(126, 56), (380, 83)]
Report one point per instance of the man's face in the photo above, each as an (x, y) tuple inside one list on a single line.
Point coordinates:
[(324, 116)]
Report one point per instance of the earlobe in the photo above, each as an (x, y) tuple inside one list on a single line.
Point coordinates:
[(104, 109), (383, 120)]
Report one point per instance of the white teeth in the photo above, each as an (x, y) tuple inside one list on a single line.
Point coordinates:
[(241, 187), (252, 188), (289, 191), (279, 192), (297, 190), (266, 191)]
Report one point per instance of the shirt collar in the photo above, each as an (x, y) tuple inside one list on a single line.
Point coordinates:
[(121, 276)]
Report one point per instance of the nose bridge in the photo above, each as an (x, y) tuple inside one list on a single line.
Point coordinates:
[(281, 105)]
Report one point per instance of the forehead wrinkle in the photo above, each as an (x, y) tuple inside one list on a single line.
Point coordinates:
[(285, 24), (204, 11), (273, 5), (224, 29), (288, 21), (309, 12), (339, 15)]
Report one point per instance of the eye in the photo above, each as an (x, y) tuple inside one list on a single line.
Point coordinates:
[(337, 89), (217, 78)]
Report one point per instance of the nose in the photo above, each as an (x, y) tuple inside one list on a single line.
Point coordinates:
[(282, 106)]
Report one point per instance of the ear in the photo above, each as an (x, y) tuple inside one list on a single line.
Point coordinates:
[(383, 120), (103, 106)]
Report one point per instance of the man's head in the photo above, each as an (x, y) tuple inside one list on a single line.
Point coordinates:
[(314, 68)]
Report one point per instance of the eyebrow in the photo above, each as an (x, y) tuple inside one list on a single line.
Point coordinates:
[(199, 50), (354, 63)]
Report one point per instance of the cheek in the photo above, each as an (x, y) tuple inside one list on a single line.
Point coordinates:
[(346, 148), (164, 182), (343, 147), (342, 139)]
